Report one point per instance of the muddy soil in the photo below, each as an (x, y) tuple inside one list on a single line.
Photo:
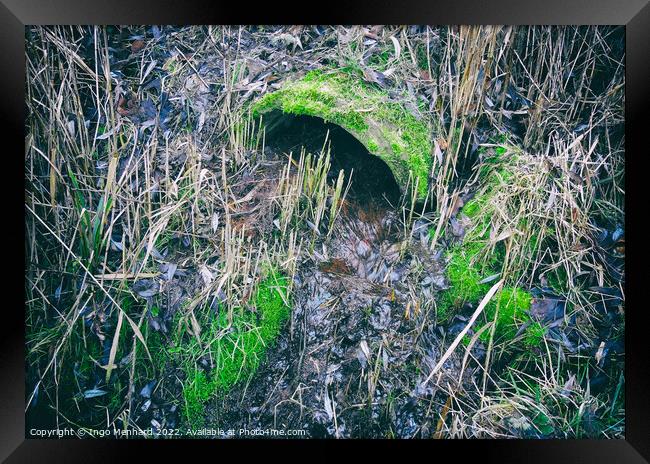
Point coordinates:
[(355, 354)]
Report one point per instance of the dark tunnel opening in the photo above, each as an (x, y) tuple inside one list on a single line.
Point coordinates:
[(372, 179)]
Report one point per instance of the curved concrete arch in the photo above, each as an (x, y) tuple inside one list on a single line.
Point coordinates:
[(381, 122)]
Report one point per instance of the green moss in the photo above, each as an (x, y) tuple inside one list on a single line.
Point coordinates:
[(197, 390), (508, 309), (464, 276), (557, 279), (385, 127), (236, 349), (534, 335), (270, 301), (474, 260), (474, 206), (466, 271)]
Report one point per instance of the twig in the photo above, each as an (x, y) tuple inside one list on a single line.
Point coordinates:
[(486, 299)]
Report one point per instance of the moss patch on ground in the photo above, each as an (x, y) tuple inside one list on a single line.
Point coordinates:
[(508, 310), (232, 351), (467, 275), (383, 124), (475, 264)]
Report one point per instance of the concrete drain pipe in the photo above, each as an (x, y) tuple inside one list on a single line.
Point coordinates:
[(380, 121)]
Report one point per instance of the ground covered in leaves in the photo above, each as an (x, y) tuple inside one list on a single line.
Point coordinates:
[(191, 269)]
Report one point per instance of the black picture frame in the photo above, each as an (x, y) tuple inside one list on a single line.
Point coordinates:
[(634, 14)]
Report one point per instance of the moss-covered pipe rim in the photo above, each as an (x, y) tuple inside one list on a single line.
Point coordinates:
[(384, 126)]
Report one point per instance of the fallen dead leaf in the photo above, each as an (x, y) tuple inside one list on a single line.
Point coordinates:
[(600, 352), (137, 45)]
